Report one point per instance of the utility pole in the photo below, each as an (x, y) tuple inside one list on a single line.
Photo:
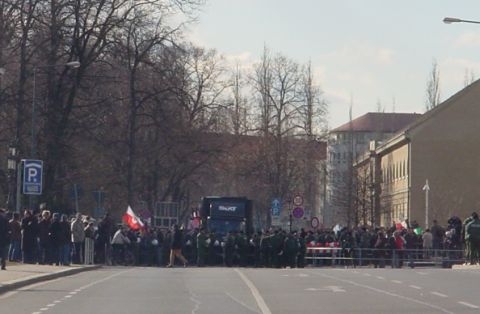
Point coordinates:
[(426, 188)]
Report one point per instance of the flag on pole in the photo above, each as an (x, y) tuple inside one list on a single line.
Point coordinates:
[(132, 220)]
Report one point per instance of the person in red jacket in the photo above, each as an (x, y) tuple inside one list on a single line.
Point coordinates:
[(398, 249)]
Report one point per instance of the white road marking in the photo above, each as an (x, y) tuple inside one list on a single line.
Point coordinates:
[(194, 299), (392, 294), (438, 294), (68, 296), (469, 305), (44, 309), (256, 294), (327, 288), (367, 275), (415, 287), (380, 277), (51, 305), (241, 303), (397, 281)]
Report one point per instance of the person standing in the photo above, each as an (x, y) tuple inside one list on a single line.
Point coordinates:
[(473, 237), (66, 236), (89, 242), (202, 248), (102, 243), (290, 250), (427, 240), (29, 237), (55, 232), (398, 246), (410, 242), (438, 233), (119, 241), (15, 251), (176, 247), (45, 254), (464, 239), (4, 238), (78, 238)]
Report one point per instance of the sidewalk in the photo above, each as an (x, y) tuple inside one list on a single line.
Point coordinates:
[(20, 275)]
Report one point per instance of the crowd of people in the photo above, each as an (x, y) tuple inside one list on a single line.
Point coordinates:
[(46, 238)]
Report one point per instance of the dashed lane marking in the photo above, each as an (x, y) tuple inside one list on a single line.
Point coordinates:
[(397, 281), (384, 292), (438, 294), (256, 294), (415, 287), (473, 306)]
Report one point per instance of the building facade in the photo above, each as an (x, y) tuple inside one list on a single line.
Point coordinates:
[(346, 144), (430, 169)]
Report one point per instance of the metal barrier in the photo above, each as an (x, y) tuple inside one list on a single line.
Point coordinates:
[(89, 251), (333, 256)]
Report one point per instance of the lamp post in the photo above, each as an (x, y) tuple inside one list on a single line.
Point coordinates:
[(426, 188), (450, 20), (12, 170)]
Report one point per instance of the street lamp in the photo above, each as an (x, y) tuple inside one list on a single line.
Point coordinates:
[(450, 20), (12, 169), (71, 64)]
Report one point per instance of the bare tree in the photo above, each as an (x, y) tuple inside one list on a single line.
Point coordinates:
[(469, 77), (433, 87)]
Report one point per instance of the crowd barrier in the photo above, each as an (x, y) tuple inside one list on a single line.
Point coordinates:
[(89, 251), (331, 254)]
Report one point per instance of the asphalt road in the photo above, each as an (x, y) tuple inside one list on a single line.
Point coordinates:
[(244, 290)]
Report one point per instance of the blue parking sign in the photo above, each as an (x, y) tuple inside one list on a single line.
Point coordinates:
[(32, 176), (276, 206)]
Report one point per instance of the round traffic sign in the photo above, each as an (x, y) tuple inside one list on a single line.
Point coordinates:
[(314, 222), (298, 200), (298, 212)]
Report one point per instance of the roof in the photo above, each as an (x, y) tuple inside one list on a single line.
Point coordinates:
[(427, 116), (379, 122)]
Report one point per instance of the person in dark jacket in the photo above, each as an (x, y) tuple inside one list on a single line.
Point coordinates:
[(66, 237), (45, 256), (4, 238), (55, 233), (15, 250), (176, 247), (29, 237)]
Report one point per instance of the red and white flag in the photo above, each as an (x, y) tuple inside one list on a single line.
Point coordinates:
[(132, 220)]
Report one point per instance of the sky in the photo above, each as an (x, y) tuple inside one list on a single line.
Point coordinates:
[(367, 54)]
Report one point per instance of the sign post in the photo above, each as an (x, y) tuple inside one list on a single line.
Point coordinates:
[(32, 177)]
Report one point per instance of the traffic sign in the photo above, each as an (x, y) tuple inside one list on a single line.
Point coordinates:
[(314, 222), (298, 212), (32, 176), (276, 206), (298, 200)]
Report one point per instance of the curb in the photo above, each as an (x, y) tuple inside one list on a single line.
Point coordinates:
[(16, 284), (465, 267)]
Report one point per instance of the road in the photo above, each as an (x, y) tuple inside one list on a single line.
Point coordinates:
[(245, 290)]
